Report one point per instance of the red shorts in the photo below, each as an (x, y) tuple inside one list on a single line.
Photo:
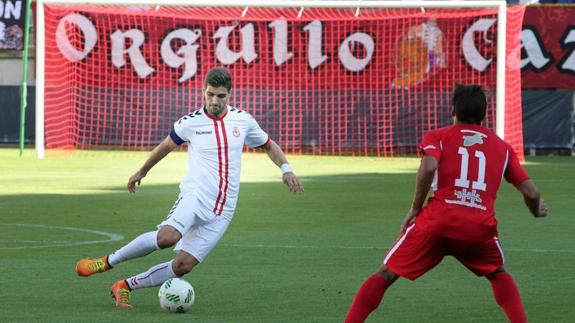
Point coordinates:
[(417, 252)]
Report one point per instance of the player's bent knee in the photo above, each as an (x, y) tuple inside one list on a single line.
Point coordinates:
[(495, 273), (167, 237), (182, 266), (387, 274)]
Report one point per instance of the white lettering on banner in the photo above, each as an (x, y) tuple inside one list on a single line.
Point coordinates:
[(315, 46), (533, 47), (347, 58), (185, 55), (470, 52), (567, 64), (119, 49), (223, 52), (63, 42), (11, 10), (280, 49)]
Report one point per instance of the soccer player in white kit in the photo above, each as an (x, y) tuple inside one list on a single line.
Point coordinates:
[(216, 135)]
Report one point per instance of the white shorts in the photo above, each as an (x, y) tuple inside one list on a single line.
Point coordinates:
[(201, 229)]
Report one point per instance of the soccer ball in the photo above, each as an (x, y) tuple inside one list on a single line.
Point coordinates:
[(176, 295)]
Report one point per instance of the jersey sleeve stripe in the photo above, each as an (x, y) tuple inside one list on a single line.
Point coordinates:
[(264, 144), (176, 138)]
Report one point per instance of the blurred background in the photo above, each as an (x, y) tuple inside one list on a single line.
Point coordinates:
[(547, 75)]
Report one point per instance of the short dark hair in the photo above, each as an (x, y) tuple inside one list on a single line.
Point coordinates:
[(217, 77), (469, 103)]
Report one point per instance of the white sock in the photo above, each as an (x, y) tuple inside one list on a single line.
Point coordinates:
[(144, 244), (154, 276)]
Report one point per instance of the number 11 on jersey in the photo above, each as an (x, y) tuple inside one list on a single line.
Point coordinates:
[(463, 180)]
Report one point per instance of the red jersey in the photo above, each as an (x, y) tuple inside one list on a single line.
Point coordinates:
[(472, 163)]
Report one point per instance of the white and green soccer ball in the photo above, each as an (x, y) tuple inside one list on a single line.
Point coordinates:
[(176, 295)]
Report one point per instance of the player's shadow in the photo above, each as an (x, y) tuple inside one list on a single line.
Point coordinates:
[(274, 238), (285, 255)]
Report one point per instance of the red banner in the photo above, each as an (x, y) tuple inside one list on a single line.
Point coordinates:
[(419, 50), (328, 81), (548, 47)]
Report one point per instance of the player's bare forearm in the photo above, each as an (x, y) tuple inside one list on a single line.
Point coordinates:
[(424, 180), (275, 153), (159, 152), (532, 198)]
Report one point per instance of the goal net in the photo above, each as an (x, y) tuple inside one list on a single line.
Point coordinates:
[(319, 80)]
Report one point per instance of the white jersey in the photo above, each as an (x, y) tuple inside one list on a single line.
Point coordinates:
[(215, 155)]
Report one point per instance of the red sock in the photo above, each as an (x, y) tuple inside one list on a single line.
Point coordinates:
[(366, 299), (507, 296)]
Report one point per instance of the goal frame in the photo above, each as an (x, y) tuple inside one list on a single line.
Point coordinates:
[(501, 6)]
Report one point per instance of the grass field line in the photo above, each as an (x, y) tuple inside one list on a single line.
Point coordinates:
[(35, 241), (49, 244), (112, 237), (272, 246)]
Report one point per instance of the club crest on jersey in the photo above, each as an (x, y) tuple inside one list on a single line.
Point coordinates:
[(236, 132), (474, 138)]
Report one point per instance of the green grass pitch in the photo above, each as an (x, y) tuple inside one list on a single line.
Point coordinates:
[(285, 258)]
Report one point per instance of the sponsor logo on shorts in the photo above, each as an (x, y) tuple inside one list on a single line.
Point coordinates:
[(207, 132)]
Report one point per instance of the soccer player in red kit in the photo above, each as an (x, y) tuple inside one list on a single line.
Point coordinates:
[(464, 164)]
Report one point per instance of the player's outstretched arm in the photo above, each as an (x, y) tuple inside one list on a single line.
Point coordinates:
[(159, 152), (277, 155), (425, 175), (532, 198)]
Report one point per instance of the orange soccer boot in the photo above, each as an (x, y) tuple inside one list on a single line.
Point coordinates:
[(121, 293), (88, 266)]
